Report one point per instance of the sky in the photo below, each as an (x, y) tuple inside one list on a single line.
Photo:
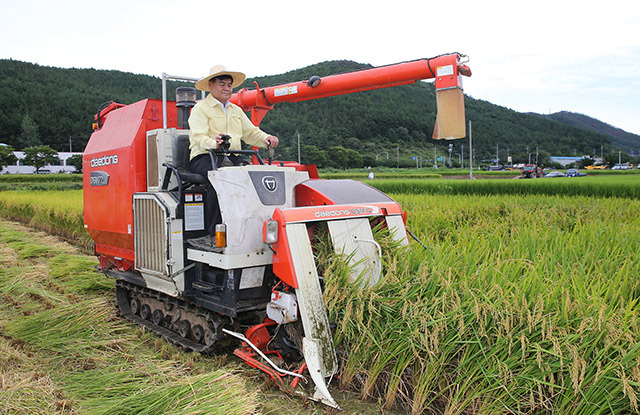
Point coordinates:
[(543, 56)]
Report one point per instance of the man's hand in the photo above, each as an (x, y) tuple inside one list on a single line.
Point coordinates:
[(220, 140), (271, 141)]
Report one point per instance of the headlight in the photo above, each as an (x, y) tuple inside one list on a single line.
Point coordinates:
[(270, 232)]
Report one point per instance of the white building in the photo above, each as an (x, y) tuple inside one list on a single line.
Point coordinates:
[(565, 160), (61, 167)]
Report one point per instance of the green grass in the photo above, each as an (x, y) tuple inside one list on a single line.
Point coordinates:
[(404, 173), (40, 178), (35, 182)]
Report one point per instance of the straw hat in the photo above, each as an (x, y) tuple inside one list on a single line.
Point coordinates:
[(217, 70)]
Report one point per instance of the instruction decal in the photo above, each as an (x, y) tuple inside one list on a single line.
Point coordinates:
[(278, 92)]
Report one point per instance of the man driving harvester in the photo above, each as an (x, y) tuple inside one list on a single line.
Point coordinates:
[(213, 121)]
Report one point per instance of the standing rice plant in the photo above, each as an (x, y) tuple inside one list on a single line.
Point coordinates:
[(520, 305), (614, 186), (56, 212)]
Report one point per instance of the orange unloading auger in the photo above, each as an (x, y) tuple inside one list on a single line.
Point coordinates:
[(446, 69)]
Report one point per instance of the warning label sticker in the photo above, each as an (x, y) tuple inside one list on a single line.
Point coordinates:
[(444, 70), (278, 92), (193, 216)]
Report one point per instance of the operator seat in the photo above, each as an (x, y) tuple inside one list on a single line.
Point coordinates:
[(180, 165), (181, 161)]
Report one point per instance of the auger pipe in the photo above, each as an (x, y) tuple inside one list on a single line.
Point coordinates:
[(368, 79)]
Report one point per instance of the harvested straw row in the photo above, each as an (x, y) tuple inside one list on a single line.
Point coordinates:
[(64, 350)]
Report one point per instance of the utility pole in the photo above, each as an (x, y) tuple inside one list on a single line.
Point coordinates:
[(450, 150), (397, 157), (536, 156), (435, 158), (462, 156), (470, 153), (299, 159), (497, 154), (70, 150)]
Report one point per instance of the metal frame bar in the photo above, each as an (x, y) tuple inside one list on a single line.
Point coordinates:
[(166, 77)]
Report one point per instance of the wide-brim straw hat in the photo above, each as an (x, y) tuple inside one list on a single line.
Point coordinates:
[(217, 70)]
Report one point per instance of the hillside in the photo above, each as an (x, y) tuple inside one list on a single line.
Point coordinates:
[(366, 128), (621, 139)]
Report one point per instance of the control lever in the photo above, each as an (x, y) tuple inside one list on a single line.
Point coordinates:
[(270, 152), (225, 142)]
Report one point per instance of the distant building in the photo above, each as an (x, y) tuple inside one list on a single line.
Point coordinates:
[(61, 167), (565, 160)]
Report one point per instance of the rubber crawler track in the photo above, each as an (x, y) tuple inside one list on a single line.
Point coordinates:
[(215, 322)]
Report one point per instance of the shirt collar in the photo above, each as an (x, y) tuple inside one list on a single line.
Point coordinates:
[(216, 102)]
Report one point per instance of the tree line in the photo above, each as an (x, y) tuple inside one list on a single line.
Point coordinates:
[(54, 107)]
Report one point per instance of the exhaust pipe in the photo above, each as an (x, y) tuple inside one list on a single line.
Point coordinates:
[(185, 100)]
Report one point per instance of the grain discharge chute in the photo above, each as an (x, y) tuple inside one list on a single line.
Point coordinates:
[(258, 291)]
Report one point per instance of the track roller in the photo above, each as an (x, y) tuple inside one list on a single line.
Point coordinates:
[(179, 322)]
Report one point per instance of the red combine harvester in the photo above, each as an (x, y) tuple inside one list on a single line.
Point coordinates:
[(531, 171), (261, 285)]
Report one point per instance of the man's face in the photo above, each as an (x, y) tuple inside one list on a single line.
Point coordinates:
[(221, 89)]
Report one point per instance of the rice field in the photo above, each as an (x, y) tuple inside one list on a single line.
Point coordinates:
[(58, 212), (40, 182), (627, 186), (522, 302)]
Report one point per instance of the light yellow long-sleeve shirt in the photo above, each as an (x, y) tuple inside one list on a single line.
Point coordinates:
[(208, 119)]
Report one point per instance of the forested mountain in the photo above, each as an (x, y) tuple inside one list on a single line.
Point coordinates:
[(365, 128), (623, 140), (62, 102)]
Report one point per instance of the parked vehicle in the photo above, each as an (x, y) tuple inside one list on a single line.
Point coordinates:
[(597, 167), (574, 173), (554, 174), (622, 166)]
